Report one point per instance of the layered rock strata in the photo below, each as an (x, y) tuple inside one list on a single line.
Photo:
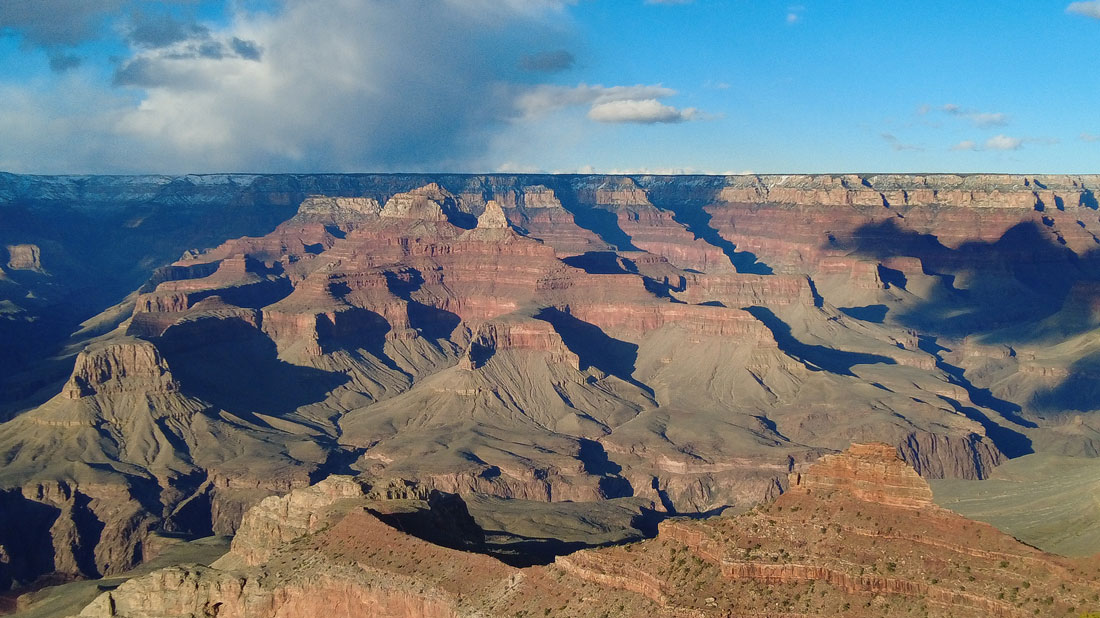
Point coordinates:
[(686, 340), (841, 548)]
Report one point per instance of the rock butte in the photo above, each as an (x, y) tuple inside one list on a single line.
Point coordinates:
[(819, 552), (691, 341)]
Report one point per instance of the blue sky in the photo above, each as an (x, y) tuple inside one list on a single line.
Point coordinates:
[(132, 86)]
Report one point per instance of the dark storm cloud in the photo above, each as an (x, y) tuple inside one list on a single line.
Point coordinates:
[(137, 72), (170, 67), (343, 85), (55, 23), (547, 62), (248, 50), (214, 50), (159, 29)]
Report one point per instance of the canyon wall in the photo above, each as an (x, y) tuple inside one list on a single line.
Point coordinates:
[(694, 341)]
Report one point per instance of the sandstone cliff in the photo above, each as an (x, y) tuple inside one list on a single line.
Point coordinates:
[(691, 341), (855, 549)]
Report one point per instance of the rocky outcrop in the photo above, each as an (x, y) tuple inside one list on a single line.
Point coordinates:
[(869, 472), (196, 591), (25, 257), (686, 339), (974, 191), (58, 529), (537, 335), (426, 203), (338, 209), (278, 520), (811, 552), (129, 366), (493, 217)]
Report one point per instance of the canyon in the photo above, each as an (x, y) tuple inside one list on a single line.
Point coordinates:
[(178, 352), (827, 547)]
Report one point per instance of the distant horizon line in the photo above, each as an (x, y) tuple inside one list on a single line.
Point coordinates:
[(513, 174)]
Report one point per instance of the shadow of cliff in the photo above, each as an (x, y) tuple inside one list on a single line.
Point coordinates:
[(1079, 391), (1019, 279), (431, 322), (235, 367), (688, 209), (1009, 441), (1025, 288), (96, 256), (594, 347), (600, 263), (602, 223), (27, 539), (981, 396), (89, 528), (596, 462), (814, 356), (868, 313), (356, 329), (446, 522)]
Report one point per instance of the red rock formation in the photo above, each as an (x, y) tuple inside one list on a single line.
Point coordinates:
[(413, 322), (537, 209), (870, 472), (814, 552), (132, 366)]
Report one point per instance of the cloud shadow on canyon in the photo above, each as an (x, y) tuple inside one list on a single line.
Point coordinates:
[(1025, 288), (211, 359)]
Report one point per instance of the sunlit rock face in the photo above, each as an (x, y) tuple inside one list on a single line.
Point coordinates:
[(858, 536), (689, 341)]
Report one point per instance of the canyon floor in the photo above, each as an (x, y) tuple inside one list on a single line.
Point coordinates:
[(543, 370)]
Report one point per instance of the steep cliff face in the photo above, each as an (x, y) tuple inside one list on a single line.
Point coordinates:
[(25, 257), (127, 366), (863, 541), (278, 520), (686, 340), (868, 472), (856, 536)]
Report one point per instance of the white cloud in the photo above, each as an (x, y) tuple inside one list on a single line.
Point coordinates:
[(1089, 137), (36, 138), (615, 104), (647, 111), (654, 171), (340, 85), (544, 99), (511, 167), (980, 119), (1003, 142), (1088, 9), (794, 13)]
